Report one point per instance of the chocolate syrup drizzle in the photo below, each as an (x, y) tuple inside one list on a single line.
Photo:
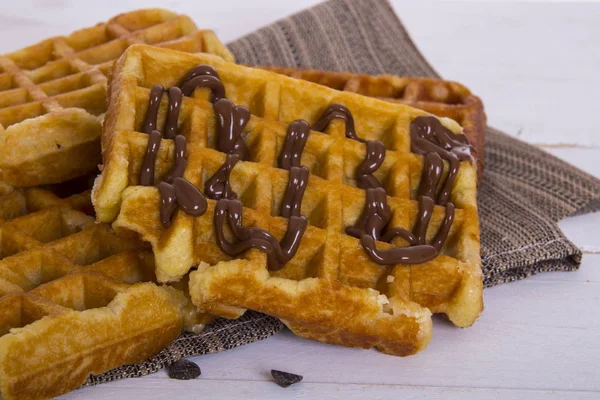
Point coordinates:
[(338, 111), (231, 121), (373, 160), (428, 138), (431, 139), (428, 135), (174, 190), (245, 238), (375, 218), (375, 148), (218, 186), (295, 140)]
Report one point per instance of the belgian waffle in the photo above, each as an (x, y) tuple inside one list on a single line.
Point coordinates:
[(75, 299), (442, 98), (331, 290), (53, 93)]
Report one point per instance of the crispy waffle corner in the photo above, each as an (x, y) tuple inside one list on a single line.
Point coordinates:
[(53, 93), (330, 291)]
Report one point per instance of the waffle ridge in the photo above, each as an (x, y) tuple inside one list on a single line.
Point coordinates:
[(55, 92), (440, 97), (330, 290)]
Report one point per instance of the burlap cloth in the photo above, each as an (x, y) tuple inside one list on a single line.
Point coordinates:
[(524, 192)]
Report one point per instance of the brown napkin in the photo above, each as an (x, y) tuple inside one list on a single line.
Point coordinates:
[(524, 192)]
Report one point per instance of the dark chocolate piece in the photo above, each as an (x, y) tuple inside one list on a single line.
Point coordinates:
[(285, 379), (183, 370)]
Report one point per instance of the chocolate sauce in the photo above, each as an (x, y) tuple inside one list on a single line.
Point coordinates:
[(175, 98), (373, 160), (245, 238), (377, 215), (432, 173), (231, 121), (292, 199), (176, 191), (428, 135), (338, 111), (150, 122), (147, 172), (295, 140), (399, 255), (183, 194), (424, 216), (440, 238), (218, 186), (153, 105), (203, 76), (180, 159)]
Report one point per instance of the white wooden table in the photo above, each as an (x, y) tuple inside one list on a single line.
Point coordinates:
[(536, 67)]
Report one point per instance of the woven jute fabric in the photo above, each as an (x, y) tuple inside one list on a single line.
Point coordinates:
[(221, 335), (524, 191)]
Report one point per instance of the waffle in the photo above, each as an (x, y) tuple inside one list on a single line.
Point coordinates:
[(330, 290), (53, 93), (75, 299), (439, 97)]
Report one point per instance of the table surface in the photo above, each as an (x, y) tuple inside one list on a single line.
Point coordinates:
[(535, 65)]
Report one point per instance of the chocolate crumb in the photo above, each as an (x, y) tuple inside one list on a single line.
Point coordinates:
[(58, 145), (285, 379), (183, 370)]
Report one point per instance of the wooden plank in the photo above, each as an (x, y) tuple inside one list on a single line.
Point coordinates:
[(161, 389), (589, 272), (583, 231)]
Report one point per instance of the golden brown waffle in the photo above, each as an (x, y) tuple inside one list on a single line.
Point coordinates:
[(330, 291), (72, 297), (53, 94), (442, 98)]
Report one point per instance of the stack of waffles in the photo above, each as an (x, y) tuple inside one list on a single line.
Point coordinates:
[(251, 179), (75, 299), (54, 92), (325, 201)]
